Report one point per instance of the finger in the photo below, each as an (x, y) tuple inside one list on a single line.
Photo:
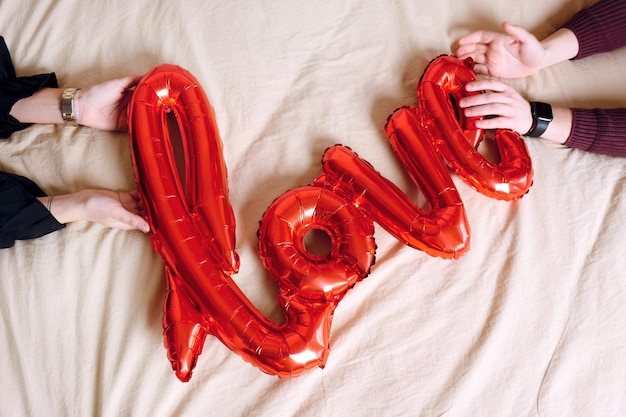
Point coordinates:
[(480, 68), (471, 49), (142, 224), (125, 84), (140, 207), (477, 58), (128, 200), (518, 32), (135, 195), (134, 82), (471, 101), (131, 81), (483, 104), (126, 220), (499, 109), (481, 36), (139, 204), (497, 122), (488, 84), (138, 223)]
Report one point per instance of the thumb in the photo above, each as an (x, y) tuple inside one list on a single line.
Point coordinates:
[(518, 33), (139, 223), (129, 82), (126, 220)]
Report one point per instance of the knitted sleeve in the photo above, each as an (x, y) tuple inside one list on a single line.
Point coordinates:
[(599, 131), (599, 28)]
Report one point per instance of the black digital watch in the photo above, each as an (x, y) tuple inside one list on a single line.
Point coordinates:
[(542, 116)]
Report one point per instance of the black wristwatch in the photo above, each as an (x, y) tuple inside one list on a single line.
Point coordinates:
[(542, 116)]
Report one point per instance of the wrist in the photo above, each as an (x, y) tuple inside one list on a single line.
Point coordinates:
[(561, 46), (67, 208), (561, 127), (80, 108), (42, 107), (71, 106)]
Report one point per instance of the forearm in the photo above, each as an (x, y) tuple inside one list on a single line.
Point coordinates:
[(42, 107), (122, 210), (561, 46), (66, 208), (102, 106), (560, 128)]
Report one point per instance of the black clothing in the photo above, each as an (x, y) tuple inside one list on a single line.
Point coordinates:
[(22, 216)]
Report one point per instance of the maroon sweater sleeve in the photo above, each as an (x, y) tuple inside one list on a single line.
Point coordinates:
[(599, 28), (599, 131)]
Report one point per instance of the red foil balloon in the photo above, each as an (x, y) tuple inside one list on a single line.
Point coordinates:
[(201, 212), (456, 137), (193, 231), (305, 277), (190, 227), (441, 231)]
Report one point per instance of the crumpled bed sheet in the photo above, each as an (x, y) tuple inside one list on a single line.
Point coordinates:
[(530, 322)]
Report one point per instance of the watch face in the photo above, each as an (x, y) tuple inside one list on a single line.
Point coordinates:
[(543, 111)]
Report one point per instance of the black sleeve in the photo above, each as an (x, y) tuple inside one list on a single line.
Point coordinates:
[(13, 88), (22, 216)]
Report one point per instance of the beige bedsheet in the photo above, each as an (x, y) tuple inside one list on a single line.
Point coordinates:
[(530, 322)]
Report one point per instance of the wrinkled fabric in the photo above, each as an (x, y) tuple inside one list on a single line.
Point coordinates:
[(530, 322)]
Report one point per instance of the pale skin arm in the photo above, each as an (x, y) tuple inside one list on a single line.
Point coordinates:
[(513, 54), (102, 106), (121, 210)]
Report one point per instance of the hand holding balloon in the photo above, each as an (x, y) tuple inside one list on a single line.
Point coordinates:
[(456, 137), (510, 109)]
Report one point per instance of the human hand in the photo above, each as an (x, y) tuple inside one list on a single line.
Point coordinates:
[(507, 108), (516, 53), (122, 210), (103, 106)]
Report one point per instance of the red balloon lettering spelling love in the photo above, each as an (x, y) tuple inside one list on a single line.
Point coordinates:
[(193, 227)]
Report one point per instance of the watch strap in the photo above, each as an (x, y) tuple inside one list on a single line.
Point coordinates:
[(542, 116), (67, 106)]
